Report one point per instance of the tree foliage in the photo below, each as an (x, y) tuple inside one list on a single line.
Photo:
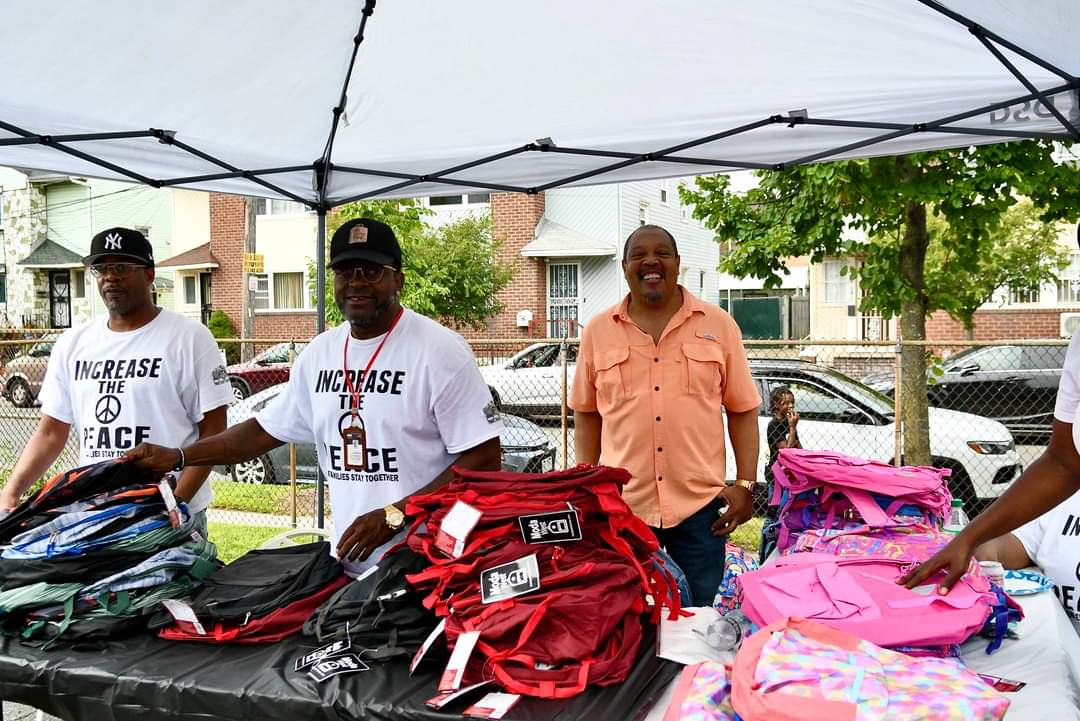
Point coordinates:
[(832, 209), (451, 272)]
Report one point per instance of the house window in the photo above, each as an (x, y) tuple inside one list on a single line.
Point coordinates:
[(684, 214), (144, 229), (3, 286), (1019, 296), (562, 300), (664, 192), (273, 206), (472, 198), (78, 283), (467, 199), (288, 291), (1068, 284), (189, 290), (643, 213), (262, 291), (837, 286), (701, 283)]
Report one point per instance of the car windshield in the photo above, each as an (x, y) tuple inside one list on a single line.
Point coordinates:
[(278, 353), (863, 394)]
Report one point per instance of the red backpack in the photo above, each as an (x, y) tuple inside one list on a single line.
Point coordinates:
[(583, 625)]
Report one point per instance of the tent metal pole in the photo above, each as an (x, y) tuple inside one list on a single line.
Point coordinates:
[(172, 141), (320, 326), (1044, 99), (931, 128), (77, 138), (233, 174)]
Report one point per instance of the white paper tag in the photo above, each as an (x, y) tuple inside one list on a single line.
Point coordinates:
[(426, 645), (445, 698), (170, 502), (354, 453), (455, 528), (183, 612), (455, 668), (494, 705), (367, 573)]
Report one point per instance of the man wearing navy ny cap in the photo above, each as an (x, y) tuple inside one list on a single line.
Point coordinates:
[(390, 399), (141, 373)]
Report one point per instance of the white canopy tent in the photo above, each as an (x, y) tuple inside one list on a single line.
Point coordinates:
[(328, 101)]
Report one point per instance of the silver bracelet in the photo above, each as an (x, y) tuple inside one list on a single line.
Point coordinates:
[(182, 462)]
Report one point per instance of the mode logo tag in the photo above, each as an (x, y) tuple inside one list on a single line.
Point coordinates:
[(330, 649), (327, 668), (510, 579), (554, 527)]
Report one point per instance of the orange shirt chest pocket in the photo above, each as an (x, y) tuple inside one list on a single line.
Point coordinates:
[(704, 373), (613, 377)]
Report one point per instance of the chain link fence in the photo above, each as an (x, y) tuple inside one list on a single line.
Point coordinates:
[(992, 410)]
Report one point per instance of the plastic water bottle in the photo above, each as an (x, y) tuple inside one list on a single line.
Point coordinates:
[(727, 632), (957, 518)]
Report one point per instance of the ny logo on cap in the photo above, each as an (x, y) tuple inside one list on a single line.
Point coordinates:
[(112, 241), (358, 234)]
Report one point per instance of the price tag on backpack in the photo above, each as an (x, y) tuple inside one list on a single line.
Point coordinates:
[(554, 527), (510, 579), (180, 611), (426, 645), (459, 659), (494, 705), (455, 528), (330, 649), (170, 502), (446, 698), (336, 666)]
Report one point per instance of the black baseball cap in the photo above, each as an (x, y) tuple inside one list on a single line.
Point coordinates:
[(123, 242), (365, 239)]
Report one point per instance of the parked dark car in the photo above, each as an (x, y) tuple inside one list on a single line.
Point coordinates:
[(525, 448), (266, 369), (1013, 384), (21, 377)]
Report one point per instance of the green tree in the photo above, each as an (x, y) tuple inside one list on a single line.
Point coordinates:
[(1021, 254), (451, 272), (221, 327), (816, 210)]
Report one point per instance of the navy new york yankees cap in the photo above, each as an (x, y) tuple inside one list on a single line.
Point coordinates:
[(123, 242)]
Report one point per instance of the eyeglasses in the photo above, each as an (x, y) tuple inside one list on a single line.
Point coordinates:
[(369, 272), (117, 269)]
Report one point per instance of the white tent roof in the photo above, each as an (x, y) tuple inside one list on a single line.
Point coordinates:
[(460, 92)]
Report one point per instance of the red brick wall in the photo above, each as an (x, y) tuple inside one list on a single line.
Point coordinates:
[(227, 245), (228, 284), (514, 217), (1010, 324)]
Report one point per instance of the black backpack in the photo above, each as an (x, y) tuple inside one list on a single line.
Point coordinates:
[(380, 613)]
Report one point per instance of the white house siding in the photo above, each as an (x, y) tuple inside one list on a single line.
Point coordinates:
[(599, 285), (590, 211)]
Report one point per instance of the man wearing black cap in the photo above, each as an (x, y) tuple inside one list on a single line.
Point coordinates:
[(142, 373), (390, 399)]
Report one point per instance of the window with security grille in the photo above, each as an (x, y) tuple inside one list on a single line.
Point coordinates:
[(1020, 296), (837, 286), (563, 297)]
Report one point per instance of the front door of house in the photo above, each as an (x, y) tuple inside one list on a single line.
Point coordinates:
[(205, 308), (60, 298), (563, 300)]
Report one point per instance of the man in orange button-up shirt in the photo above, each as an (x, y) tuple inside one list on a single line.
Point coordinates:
[(655, 374)]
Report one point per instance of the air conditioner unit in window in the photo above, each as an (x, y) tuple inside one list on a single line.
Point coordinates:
[(1070, 323)]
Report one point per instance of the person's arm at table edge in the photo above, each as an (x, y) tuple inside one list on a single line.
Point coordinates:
[(746, 445), (587, 428), (192, 478), (240, 443), (1049, 480)]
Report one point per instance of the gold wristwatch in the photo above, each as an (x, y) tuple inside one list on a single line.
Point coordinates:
[(748, 485), (395, 519)]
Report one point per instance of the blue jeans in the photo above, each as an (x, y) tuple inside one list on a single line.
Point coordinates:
[(677, 574), (697, 552)]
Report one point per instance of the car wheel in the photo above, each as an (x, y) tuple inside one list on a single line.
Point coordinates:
[(495, 399), (19, 392), (240, 389), (256, 471)]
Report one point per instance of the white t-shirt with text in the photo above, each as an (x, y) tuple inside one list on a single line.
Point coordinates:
[(422, 404), (152, 384), (1052, 542)]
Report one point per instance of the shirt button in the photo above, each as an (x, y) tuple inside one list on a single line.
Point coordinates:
[(656, 388), (659, 450), (659, 478), (656, 360), (658, 418)]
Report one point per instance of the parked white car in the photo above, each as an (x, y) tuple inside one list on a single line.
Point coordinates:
[(837, 413)]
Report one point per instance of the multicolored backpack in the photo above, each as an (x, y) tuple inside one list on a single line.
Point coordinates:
[(825, 489), (800, 670), (736, 562)]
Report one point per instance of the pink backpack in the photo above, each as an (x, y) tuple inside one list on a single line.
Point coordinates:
[(799, 670), (825, 489), (861, 596)]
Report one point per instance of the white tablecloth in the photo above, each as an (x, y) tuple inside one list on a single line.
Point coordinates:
[(1044, 656)]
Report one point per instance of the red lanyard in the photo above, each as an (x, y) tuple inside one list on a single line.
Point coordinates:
[(354, 393)]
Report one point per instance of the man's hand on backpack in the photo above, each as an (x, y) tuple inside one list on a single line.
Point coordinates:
[(158, 460), (740, 507), (364, 535), (953, 559)]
